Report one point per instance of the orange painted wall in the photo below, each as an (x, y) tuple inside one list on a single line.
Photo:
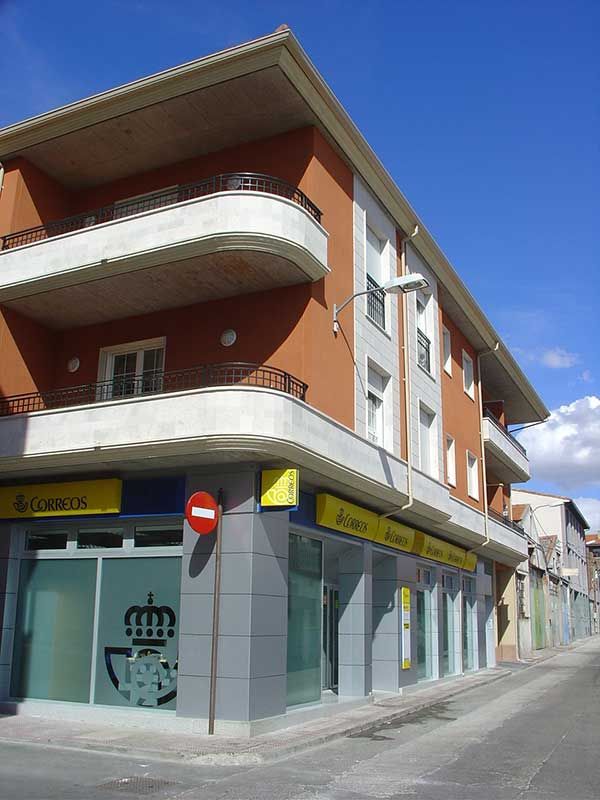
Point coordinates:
[(27, 352), (286, 156), (461, 413), (29, 197), (289, 328)]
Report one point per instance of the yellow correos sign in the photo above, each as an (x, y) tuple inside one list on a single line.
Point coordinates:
[(346, 517), (279, 487), (394, 534), (339, 515), (72, 499)]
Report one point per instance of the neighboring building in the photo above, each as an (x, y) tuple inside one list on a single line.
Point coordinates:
[(172, 253), (592, 543), (559, 517), (538, 586)]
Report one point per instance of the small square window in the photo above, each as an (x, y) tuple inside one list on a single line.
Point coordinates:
[(166, 536), (95, 540), (46, 540)]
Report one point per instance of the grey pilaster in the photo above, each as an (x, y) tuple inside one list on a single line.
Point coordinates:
[(251, 669), (355, 626), (386, 653)]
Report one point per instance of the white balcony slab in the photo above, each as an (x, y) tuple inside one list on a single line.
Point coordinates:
[(201, 426), (503, 456), (203, 249)]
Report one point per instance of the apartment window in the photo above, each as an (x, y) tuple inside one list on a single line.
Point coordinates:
[(133, 368), (468, 375), (447, 350), (426, 429), (423, 340), (472, 476), (375, 278), (450, 461), (375, 395)]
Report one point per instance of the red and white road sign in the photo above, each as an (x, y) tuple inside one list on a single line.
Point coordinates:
[(202, 513)]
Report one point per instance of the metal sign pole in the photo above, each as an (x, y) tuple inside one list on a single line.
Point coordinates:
[(215, 621)]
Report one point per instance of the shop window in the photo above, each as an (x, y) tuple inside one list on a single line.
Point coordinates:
[(95, 539), (138, 630), (304, 620), (450, 629), (54, 629), (46, 540), (167, 536)]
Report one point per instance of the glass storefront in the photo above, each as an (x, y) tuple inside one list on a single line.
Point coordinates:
[(54, 630), (449, 625), (469, 624), (305, 574), (96, 622), (424, 624), (136, 656)]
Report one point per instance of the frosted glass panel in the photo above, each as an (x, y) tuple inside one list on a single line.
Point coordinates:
[(53, 640), (304, 621), (138, 631)]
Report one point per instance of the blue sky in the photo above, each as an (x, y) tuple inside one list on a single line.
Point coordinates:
[(486, 115)]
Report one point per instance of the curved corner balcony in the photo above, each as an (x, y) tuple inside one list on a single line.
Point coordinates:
[(228, 235), (230, 373)]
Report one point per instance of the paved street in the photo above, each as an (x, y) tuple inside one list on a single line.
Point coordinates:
[(532, 736)]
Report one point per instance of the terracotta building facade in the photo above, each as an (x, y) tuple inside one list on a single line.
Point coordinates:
[(172, 253)]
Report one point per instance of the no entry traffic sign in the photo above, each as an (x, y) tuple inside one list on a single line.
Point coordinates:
[(202, 513)]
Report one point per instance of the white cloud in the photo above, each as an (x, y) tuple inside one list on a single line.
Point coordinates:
[(586, 376), (565, 450), (558, 358), (590, 508)]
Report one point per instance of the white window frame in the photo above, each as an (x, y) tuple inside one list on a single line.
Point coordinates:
[(447, 352), (379, 394), (381, 278), (432, 440), (450, 460), (469, 390), (107, 356), (472, 475)]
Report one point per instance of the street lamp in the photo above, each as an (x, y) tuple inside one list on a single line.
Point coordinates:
[(400, 285)]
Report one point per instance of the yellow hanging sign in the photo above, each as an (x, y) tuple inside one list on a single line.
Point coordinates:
[(394, 534), (72, 499), (339, 515), (345, 517), (279, 487)]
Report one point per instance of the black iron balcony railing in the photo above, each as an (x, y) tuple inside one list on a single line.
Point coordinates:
[(506, 521), (488, 415), (375, 302), (423, 350), (228, 182), (159, 382)]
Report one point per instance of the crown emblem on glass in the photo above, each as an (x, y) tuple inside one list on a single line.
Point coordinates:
[(150, 624)]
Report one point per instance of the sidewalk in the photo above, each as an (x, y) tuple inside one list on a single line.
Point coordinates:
[(152, 743)]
